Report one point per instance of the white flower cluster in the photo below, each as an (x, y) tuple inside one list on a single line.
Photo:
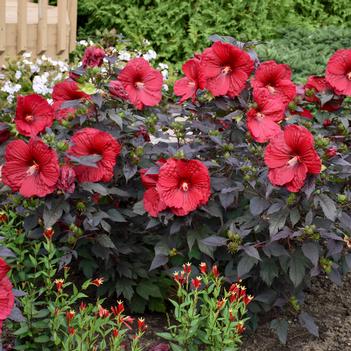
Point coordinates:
[(11, 89)]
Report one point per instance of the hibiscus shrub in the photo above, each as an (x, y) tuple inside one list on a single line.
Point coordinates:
[(251, 172)]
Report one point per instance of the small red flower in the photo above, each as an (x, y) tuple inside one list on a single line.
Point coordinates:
[(290, 156), (71, 330), (226, 69), (70, 315), (141, 325), (203, 267), (4, 132), (187, 268), (142, 82), (3, 216), (316, 84), (116, 89), (221, 303), (67, 90), (274, 80), (247, 299), (262, 119), (232, 317), (127, 321), (33, 115), (331, 151), (97, 282), (32, 169), (142, 132), (103, 312), (93, 57), (179, 278), (66, 180), (94, 142), (194, 79), (117, 310), (215, 271), (196, 282), (82, 306), (49, 233), (183, 185), (115, 333), (338, 72), (240, 328), (59, 284)]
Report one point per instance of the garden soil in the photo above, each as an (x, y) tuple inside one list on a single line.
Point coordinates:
[(329, 304)]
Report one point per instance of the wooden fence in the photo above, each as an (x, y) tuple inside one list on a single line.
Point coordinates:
[(37, 28)]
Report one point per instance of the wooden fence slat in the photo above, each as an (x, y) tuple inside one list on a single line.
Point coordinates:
[(73, 14), (42, 26), (2, 25), (61, 26), (22, 25)]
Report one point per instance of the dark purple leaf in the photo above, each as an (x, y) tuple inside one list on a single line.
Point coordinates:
[(307, 322)]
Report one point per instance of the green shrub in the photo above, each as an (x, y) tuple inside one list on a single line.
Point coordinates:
[(179, 28), (306, 51)]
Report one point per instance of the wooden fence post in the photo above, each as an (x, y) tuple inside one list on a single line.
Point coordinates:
[(2, 30), (73, 13), (21, 26), (42, 26), (61, 26)]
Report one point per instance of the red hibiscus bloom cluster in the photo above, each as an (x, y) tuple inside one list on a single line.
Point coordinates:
[(181, 186), (223, 69), (101, 147), (290, 157), (6, 296)]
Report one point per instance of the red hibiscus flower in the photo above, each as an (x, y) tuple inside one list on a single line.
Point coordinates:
[(7, 300), (33, 115), (4, 268), (194, 79), (316, 85), (66, 180), (93, 57), (338, 72), (101, 145), (142, 82), (4, 132), (226, 69), (261, 119), (183, 185), (67, 90), (152, 202), (116, 89), (275, 80), (32, 169), (290, 156)]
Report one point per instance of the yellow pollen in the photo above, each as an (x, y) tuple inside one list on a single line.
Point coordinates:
[(226, 70), (29, 118), (185, 186)]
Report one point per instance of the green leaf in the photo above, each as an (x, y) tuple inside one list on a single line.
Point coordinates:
[(166, 336), (146, 289), (175, 347), (42, 339), (277, 222), (245, 264), (280, 326), (105, 241), (268, 271), (297, 268), (21, 331), (87, 88)]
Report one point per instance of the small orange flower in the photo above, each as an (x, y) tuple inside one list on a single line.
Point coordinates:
[(98, 281)]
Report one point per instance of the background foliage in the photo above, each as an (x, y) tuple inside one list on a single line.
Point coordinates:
[(179, 28)]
